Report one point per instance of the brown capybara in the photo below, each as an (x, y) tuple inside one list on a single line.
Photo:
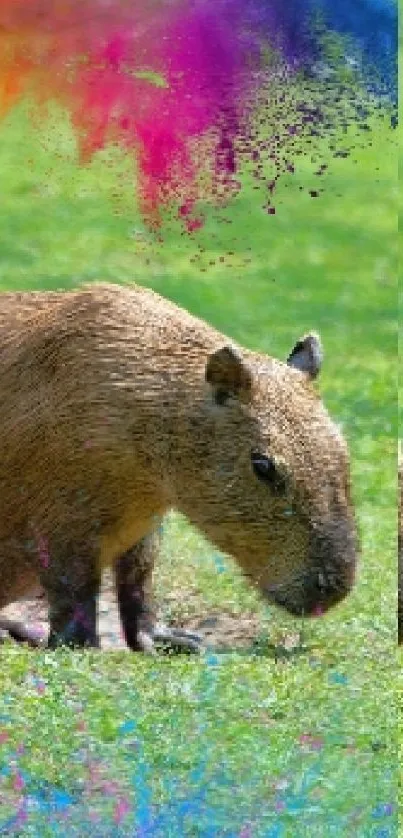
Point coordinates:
[(400, 549), (116, 406)]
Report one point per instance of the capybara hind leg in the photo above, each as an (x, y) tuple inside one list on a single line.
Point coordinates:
[(134, 591), (72, 590)]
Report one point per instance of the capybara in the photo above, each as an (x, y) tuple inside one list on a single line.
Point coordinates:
[(116, 406)]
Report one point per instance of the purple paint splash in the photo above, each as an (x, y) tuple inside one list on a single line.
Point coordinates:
[(198, 90)]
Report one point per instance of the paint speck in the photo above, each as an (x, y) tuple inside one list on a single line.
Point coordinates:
[(314, 743), (121, 810), (192, 122), (18, 782), (212, 660), (219, 563), (126, 727), (338, 678), (383, 810), (43, 550)]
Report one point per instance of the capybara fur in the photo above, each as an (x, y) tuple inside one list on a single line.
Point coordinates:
[(116, 406)]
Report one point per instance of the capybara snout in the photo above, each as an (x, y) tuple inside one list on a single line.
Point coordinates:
[(328, 577)]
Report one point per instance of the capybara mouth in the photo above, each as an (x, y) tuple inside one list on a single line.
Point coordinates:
[(310, 596), (303, 609)]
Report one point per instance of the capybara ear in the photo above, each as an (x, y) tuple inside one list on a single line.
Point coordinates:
[(228, 373), (307, 355)]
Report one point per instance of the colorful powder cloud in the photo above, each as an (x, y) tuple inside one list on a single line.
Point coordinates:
[(196, 89)]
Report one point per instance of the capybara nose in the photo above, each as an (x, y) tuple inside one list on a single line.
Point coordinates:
[(315, 592)]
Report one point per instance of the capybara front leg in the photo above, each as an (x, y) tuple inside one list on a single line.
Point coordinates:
[(73, 620), (134, 591), (72, 591)]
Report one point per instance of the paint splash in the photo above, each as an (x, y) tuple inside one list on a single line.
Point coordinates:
[(296, 801), (197, 90)]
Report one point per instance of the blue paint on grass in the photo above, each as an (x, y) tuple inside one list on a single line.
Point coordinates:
[(209, 798)]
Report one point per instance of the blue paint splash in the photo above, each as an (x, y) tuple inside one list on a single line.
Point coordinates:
[(204, 799)]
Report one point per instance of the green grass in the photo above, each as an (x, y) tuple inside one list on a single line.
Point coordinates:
[(327, 264)]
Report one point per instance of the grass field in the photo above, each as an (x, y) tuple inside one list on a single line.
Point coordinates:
[(251, 744)]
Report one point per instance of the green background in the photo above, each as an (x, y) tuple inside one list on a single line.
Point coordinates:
[(328, 264)]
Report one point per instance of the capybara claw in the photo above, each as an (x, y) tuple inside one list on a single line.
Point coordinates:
[(178, 640)]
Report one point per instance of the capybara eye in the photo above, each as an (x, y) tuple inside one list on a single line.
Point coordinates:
[(266, 470), (221, 396), (264, 467)]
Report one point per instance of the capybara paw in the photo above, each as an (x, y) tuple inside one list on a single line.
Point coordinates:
[(178, 641), (60, 639)]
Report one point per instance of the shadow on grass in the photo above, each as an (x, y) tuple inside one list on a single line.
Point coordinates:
[(259, 648)]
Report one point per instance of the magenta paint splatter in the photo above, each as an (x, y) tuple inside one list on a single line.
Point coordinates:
[(122, 809), (246, 832), (43, 550), (195, 90), (315, 743), (80, 616), (18, 782)]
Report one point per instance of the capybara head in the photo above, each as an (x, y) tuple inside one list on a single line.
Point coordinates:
[(272, 483)]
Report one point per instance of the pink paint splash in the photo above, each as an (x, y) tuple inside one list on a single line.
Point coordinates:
[(315, 743), (192, 89), (121, 810), (80, 616), (18, 782), (151, 80), (43, 550)]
